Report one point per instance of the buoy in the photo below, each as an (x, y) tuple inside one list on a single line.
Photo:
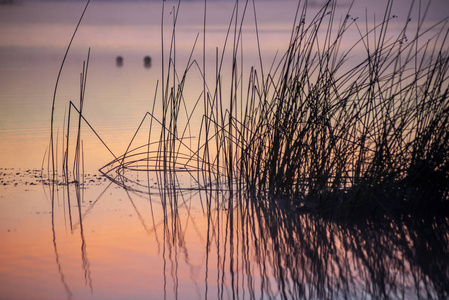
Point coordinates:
[(119, 61), (147, 61)]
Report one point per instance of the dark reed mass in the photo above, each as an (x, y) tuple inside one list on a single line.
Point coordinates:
[(370, 137)]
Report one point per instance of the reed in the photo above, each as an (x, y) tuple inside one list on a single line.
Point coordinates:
[(343, 138), (320, 130)]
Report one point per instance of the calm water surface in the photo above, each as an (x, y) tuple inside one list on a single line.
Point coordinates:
[(115, 240)]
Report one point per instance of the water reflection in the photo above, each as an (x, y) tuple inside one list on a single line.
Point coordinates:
[(66, 286), (76, 187), (313, 258), (255, 248), (272, 252)]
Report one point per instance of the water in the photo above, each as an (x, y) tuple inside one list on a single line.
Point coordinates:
[(34, 36), (33, 46), (113, 242)]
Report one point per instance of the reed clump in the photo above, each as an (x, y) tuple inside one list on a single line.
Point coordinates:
[(336, 128), (341, 136)]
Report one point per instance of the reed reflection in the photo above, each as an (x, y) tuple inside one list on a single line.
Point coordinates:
[(258, 247), (272, 252), (66, 190), (255, 248), (66, 286)]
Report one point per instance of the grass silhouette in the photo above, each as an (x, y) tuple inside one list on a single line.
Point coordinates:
[(319, 131)]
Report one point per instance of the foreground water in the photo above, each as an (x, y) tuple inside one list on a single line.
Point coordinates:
[(111, 239), (114, 243)]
